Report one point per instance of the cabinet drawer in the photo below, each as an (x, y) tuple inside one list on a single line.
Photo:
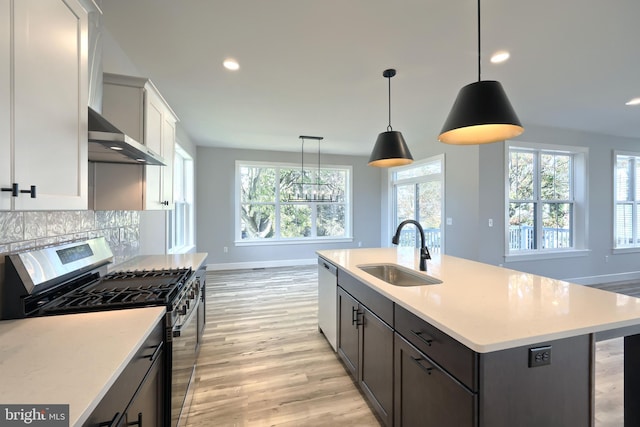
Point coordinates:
[(375, 302), (113, 404), (425, 395), (451, 355)]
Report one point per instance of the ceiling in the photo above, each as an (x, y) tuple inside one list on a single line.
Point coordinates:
[(314, 67)]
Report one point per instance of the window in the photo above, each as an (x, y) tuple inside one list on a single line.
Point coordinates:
[(627, 198), (272, 207), (546, 188), (418, 194), (181, 217)]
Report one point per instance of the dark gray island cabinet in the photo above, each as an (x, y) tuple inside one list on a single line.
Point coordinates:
[(413, 374)]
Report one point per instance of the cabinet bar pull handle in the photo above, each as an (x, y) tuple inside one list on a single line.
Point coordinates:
[(157, 351), (32, 191), (355, 312), (13, 189), (110, 423), (417, 361), (423, 339), (137, 422)]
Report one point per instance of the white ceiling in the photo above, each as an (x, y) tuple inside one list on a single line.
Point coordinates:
[(314, 67)]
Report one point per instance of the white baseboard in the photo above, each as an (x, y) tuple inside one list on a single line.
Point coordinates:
[(261, 264), (606, 278)]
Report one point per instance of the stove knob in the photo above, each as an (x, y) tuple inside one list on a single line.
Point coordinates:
[(183, 310)]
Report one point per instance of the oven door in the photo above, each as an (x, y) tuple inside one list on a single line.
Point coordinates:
[(185, 342)]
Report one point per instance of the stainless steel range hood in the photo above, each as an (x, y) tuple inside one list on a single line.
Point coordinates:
[(107, 144)]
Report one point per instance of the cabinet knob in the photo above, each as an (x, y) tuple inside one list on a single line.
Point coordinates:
[(13, 189)]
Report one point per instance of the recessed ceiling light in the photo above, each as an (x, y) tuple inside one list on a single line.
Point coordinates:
[(499, 56), (634, 101), (231, 64)]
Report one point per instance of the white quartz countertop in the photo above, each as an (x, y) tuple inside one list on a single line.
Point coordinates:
[(149, 262), (490, 308), (71, 359)]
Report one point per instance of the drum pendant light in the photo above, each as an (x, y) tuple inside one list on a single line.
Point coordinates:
[(481, 113), (390, 149)]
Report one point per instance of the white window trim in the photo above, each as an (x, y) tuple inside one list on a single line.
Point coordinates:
[(238, 241), (189, 244), (581, 202), (391, 214), (620, 249)]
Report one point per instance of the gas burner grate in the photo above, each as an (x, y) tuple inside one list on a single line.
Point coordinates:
[(127, 289)]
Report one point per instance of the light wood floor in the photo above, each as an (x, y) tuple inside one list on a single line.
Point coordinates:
[(264, 363)]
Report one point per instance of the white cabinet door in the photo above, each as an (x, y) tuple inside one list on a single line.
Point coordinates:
[(153, 116), (160, 136), (168, 151), (50, 104), (5, 104)]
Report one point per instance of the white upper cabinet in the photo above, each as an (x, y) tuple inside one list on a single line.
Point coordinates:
[(43, 111), (135, 106), (5, 104)]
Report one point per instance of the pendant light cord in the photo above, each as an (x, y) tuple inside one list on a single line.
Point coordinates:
[(479, 40), (318, 175), (389, 126), (302, 163)]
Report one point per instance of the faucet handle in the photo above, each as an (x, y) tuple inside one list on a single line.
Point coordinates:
[(424, 253)]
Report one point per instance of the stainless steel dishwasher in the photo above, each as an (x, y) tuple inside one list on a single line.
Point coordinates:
[(327, 291)]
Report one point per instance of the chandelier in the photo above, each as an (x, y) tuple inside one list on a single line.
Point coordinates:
[(311, 189)]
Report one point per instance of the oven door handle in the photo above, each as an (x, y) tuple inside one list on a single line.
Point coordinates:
[(178, 328)]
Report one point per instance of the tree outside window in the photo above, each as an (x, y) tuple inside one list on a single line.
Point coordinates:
[(282, 202)]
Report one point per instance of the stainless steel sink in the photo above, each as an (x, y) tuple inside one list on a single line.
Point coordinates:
[(398, 275)]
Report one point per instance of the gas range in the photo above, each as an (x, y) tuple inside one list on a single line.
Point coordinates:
[(73, 278)]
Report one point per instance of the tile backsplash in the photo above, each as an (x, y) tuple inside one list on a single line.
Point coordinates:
[(26, 230)]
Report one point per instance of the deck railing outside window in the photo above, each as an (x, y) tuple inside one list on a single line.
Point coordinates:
[(522, 238), (411, 237)]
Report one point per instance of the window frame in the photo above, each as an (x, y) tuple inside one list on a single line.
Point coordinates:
[(635, 204), (239, 241), (187, 181), (579, 190), (392, 190)]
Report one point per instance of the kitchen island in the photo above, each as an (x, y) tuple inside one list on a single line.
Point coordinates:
[(73, 359), (520, 346)]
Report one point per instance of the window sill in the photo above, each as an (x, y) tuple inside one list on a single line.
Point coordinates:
[(182, 250), (291, 241), (627, 250), (535, 256)]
